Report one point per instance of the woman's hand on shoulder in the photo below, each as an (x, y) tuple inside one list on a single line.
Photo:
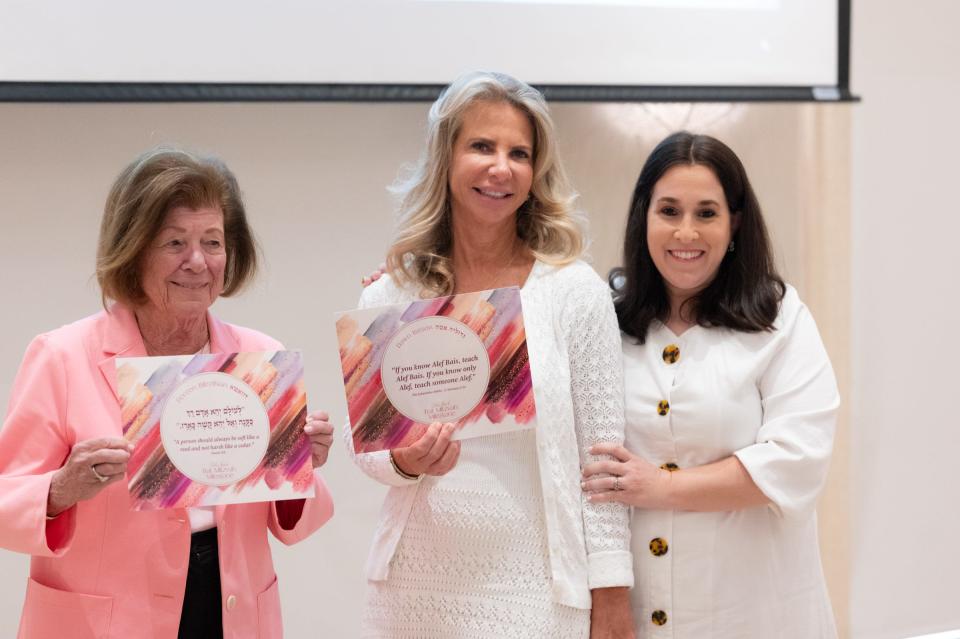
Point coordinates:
[(432, 454), (625, 478), (319, 431), (92, 465), (374, 276)]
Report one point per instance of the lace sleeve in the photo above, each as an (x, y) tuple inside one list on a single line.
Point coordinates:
[(376, 465), (596, 383)]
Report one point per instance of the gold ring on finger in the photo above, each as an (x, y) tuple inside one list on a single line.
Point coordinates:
[(100, 478)]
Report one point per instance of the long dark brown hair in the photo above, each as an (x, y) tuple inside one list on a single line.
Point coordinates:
[(745, 295)]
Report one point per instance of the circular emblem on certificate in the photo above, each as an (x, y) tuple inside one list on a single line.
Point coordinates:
[(214, 429), (435, 369)]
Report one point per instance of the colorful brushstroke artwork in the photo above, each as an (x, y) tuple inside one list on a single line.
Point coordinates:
[(212, 429), (459, 359)]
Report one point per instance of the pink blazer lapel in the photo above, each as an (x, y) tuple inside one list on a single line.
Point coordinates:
[(120, 336)]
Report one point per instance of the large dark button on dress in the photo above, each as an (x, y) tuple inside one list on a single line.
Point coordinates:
[(671, 354), (658, 617), (658, 546), (663, 407), (669, 466)]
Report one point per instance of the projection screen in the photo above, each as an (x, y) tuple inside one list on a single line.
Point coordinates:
[(299, 49)]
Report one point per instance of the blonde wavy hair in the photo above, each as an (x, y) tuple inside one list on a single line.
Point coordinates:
[(546, 223)]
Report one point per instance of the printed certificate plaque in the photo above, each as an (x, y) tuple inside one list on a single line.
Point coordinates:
[(461, 359), (211, 429)]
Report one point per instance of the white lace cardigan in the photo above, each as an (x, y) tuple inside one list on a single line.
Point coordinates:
[(574, 346)]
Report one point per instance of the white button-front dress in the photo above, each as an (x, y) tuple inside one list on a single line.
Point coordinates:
[(769, 398)]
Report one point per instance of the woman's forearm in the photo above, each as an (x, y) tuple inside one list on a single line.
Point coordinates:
[(721, 485)]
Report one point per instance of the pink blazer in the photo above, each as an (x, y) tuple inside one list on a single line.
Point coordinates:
[(101, 570)]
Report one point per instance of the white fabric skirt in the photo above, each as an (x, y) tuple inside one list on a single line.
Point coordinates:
[(473, 562)]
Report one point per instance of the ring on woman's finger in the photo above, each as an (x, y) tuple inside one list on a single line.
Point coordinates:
[(100, 478), (616, 483)]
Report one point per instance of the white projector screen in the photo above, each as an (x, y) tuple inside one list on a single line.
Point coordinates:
[(600, 43)]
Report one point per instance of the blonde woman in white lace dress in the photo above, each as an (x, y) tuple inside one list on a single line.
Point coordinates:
[(491, 537)]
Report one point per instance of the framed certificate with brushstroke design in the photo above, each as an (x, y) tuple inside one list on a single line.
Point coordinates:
[(212, 429), (460, 359)]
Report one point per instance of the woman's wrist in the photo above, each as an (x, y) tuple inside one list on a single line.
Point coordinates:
[(611, 614), (54, 509), (613, 594), (666, 487), (400, 471)]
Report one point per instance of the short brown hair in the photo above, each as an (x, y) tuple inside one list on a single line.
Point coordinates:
[(156, 182)]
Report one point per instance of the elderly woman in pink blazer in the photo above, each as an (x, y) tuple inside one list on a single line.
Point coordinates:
[(173, 238)]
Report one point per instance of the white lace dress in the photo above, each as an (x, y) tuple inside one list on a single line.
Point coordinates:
[(473, 558), (505, 545)]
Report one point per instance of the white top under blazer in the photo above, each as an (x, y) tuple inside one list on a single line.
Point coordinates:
[(771, 399)]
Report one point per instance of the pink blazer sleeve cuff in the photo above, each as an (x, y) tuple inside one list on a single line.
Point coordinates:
[(26, 529), (316, 512)]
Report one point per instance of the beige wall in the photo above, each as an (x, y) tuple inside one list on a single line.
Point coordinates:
[(905, 477), (314, 178)]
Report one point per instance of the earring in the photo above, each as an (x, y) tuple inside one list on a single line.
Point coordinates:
[(731, 247)]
